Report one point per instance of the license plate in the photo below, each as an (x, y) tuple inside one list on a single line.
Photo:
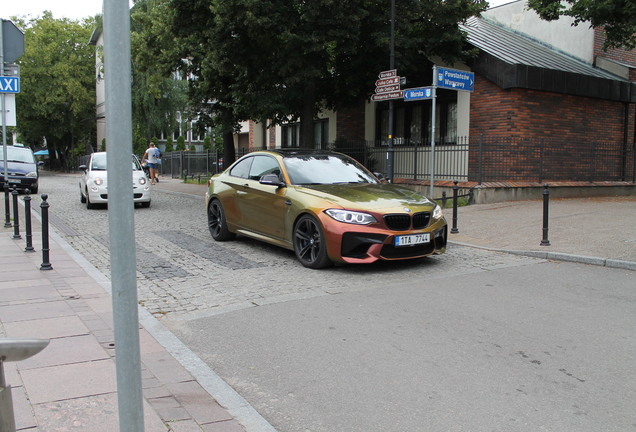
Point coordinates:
[(15, 181), (413, 239)]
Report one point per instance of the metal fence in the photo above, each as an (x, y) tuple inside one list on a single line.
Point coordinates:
[(481, 159)]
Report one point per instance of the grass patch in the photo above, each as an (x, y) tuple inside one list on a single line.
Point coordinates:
[(197, 179)]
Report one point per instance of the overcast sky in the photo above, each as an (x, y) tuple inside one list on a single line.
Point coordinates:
[(73, 9)]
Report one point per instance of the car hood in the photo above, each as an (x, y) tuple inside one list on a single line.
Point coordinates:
[(369, 196), (18, 167)]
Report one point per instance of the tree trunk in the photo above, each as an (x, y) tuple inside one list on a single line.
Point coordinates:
[(229, 154), (307, 117)]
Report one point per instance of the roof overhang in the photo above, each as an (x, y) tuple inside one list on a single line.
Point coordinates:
[(507, 76)]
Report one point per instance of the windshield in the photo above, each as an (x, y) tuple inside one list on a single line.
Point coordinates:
[(17, 154), (326, 169), (98, 162)]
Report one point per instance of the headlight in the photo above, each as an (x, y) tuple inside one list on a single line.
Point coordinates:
[(142, 180), (32, 174), (437, 212), (99, 181), (351, 217)]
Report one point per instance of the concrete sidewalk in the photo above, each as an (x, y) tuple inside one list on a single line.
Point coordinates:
[(71, 384)]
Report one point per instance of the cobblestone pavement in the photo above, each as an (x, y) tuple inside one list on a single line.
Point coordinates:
[(183, 273)]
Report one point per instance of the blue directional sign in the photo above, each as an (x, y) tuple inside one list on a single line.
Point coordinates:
[(9, 84), (418, 93), (455, 79)]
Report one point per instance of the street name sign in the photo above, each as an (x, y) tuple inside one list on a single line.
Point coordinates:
[(388, 74), (387, 89), (454, 79), (387, 96), (9, 84), (387, 81), (420, 93)]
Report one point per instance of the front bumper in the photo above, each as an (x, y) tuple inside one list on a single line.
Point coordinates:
[(356, 244), (19, 183), (99, 195)]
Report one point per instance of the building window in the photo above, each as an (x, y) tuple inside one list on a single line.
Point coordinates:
[(290, 135), (321, 133), (412, 120)]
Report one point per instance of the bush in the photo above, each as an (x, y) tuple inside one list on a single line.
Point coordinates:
[(180, 143)]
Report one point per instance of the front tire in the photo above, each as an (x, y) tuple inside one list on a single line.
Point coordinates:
[(217, 222), (309, 243), (89, 204)]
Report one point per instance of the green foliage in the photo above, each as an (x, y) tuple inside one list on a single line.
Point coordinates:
[(207, 143), (103, 147), (180, 143), (617, 17), (140, 144), (156, 96), (193, 147), (57, 77), (169, 144), (289, 59)]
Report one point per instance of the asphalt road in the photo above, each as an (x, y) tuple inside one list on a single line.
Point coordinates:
[(469, 341)]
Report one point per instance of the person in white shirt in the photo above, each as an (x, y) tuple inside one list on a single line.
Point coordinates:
[(152, 157)]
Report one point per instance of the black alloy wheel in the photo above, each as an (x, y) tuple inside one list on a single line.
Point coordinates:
[(217, 223), (309, 243)]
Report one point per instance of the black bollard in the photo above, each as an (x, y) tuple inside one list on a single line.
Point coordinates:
[(454, 229), (7, 209), (27, 224), (44, 206), (16, 216), (546, 200)]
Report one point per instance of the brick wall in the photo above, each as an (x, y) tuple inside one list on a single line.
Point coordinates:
[(531, 119), (536, 114), (350, 123), (619, 55)]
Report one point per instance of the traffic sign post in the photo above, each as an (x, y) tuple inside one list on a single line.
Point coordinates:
[(11, 47)]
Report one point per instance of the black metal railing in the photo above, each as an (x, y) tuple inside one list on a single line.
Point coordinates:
[(475, 159)]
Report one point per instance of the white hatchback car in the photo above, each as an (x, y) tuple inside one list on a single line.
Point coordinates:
[(94, 186)]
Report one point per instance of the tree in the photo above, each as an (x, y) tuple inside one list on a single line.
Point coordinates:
[(288, 59), (157, 97), (57, 98), (616, 17)]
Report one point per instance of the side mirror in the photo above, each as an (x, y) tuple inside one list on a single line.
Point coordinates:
[(380, 177), (82, 168), (40, 163), (271, 179)]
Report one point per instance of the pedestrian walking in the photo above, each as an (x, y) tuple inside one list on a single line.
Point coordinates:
[(151, 157)]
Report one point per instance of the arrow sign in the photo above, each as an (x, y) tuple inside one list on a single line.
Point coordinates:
[(388, 74), (418, 93), (455, 79), (9, 84), (387, 81), (387, 96), (387, 89)]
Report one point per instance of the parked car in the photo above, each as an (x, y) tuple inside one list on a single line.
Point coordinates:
[(323, 205), (93, 183), (22, 169)]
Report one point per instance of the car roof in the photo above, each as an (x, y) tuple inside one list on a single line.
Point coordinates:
[(293, 152)]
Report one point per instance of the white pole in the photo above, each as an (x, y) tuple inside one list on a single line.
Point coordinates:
[(433, 109), (121, 213)]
